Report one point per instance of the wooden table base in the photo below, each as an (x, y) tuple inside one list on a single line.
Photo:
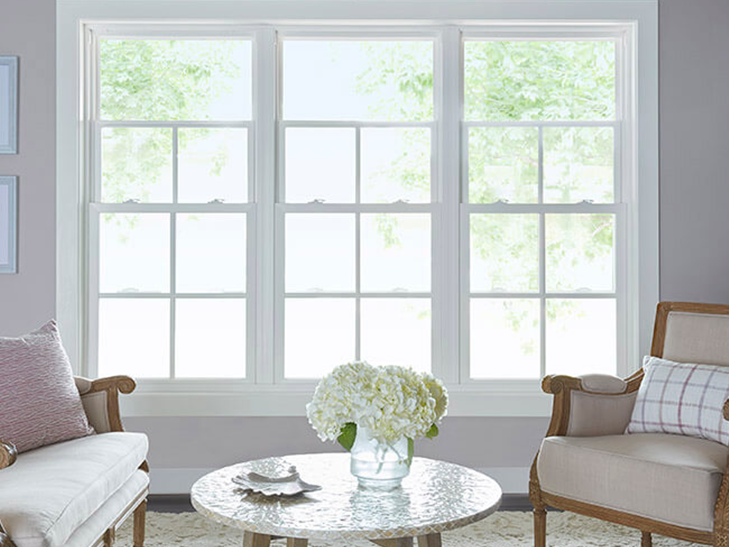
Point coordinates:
[(251, 539)]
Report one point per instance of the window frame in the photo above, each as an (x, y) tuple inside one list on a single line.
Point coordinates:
[(623, 185), (96, 207), (347, 33), (264, 397)]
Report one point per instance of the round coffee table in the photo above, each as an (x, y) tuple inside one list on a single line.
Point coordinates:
[(435, 497)]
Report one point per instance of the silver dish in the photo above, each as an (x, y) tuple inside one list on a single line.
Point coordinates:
[(279, 480)]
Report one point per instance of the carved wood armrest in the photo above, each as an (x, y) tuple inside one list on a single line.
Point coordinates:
[(121, 384), (110, 387), (8, 454), (726, 410), (597, 386)]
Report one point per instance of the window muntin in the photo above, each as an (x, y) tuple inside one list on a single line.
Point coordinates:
[(357, 158), (540, 123), (171, 207)]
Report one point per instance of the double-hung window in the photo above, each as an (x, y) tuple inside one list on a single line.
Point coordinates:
[(265, 203), (541, 215), (355, 200), (171, 205)]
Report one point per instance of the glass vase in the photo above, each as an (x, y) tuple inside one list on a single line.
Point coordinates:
[(378, 466)]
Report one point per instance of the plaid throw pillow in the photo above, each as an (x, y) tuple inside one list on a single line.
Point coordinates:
[(683, 399)]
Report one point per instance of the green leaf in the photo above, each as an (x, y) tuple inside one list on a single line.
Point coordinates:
[(432, 432), (411, 451), (347, 435)]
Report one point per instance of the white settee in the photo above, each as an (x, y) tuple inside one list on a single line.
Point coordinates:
[(77, 493)]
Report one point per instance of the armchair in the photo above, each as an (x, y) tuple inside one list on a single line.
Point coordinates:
[(664, 484), (89, 486)]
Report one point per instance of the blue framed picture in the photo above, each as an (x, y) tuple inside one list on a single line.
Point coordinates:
[(8, 225), (8, 105)]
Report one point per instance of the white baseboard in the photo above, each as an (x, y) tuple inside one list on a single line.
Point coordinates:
[(513, 480)]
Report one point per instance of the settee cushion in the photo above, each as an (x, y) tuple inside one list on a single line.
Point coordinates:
[(103, 519), (41, 404), (51, 491), (668, 478)]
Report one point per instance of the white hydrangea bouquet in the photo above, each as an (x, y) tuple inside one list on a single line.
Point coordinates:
[(376, 413)]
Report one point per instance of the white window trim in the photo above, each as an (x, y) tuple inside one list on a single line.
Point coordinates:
[(494, 398)]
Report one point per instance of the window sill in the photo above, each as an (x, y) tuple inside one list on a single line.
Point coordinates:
[(513, 400)]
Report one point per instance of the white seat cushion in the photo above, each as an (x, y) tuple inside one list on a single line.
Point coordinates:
[(51, 491), (669, 478), (98, 523)]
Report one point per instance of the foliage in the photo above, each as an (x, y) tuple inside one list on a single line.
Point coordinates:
[(522, 81), (158, 80), (405, 68), (165, 79), (503, 82), (347, 435)]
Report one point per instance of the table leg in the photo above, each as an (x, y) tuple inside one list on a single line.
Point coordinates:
[(251, 539), (297, 542), (399, 542), (431, 540)]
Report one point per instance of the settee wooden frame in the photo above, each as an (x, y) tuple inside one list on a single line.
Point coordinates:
[(113, 386), (562, 387)]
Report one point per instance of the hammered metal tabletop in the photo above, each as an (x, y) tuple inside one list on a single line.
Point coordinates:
[(435, 497)]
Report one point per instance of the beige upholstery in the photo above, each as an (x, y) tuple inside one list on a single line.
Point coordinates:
[(83, 384), (603, 383), (697, 338), (97, 411), (95, 405), (602, 411), (592, 415), (669, 478)]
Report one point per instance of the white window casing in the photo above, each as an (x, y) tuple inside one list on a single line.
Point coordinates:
[(265, 391)]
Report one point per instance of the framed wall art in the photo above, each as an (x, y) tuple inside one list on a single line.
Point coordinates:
[(8, 225), (8, 105)]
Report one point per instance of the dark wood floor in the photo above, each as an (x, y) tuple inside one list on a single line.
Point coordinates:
[(181, 503)]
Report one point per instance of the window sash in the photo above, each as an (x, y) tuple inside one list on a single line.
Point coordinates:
[(450, 294), (357, 208), (96, 207)]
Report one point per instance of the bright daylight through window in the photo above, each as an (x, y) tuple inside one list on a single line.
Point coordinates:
[(357, 200)]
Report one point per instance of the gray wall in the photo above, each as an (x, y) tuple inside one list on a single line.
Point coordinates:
[(694, 110), (28, 30), (213, 442), (694, 107)]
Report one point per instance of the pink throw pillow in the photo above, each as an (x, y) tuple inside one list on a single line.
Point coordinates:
[(39, 402)]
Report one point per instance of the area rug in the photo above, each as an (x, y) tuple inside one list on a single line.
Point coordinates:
[(503, 529)]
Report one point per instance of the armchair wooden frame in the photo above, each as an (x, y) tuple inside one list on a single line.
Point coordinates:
[(562, 387), (113, 386)]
